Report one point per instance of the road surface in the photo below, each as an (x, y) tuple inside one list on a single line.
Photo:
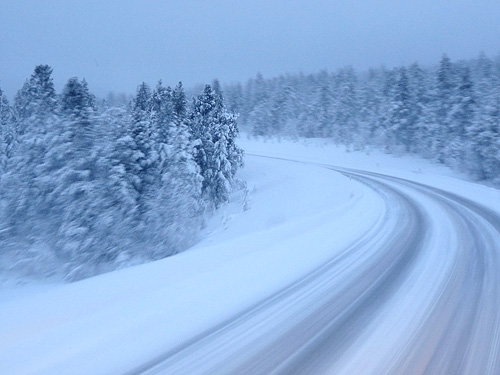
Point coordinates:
[(418, 293)]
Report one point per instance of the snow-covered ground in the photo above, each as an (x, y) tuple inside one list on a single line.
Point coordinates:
[(411, 167), (299, 216)]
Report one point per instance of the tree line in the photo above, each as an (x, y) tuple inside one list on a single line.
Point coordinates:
[(449, 113), (85, 188)]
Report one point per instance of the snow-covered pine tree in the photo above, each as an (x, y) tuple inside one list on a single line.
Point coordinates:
[(37, 100), (214, 130), (277, 116), (370, 100), (175, 213), (78, 107), (464, 129), (484, 146), (291, 108), (259, 111), (234, 98), (260, 118), (77, 192), (91, 99), (200, 119), (421, 116), (36, 116), (119, 222), (401, 132), (323, 107), (227, 133), (160, 114), (387, 84), (21, 106), (182, 156), (445, 86), (144, 153), (483, 77), (483, 149), (179, 102), (491, 153), (346, 112), (6, 131)]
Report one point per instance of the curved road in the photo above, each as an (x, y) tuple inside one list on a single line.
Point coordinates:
[(418, 293)]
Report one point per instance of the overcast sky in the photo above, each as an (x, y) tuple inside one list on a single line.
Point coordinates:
[(117, 44)]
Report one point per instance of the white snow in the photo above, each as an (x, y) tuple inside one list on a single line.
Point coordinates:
[(299, 216)]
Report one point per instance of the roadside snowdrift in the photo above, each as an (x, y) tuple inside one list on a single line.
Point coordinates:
[(299, 216)]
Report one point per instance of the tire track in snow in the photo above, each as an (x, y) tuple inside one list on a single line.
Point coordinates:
[(311, 325), (460, 333)]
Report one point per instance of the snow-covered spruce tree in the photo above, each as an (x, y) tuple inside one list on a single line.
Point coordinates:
[(91, 99), (323, 107), (421, 116), (72, 165), (370, 103), (213, 130), (260, 118), (119, 221), (6, 131), (227, 133), (161, 113), (259, 110), (174, 214), (277, 115), (383, 127), (236, 102), (346, 111), (464, 127), (201, 122), (291, 108), (443, 102), (401, 132), (36, 101), (491, 166), (21, 107), (182, 155), (36, 116), (484, 146), (485, 85), (179, 102), (144, 153), (23, 215)]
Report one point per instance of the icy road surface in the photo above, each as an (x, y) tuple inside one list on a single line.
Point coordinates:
[(333, 270), (419, 293)]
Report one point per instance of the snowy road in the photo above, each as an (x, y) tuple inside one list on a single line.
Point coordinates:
[(418, 293), (352, 270)]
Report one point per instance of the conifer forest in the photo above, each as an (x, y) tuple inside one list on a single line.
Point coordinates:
[(87, 188), (449, 113)]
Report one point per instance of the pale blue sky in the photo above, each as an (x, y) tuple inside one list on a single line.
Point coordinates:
[(116, 44)]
